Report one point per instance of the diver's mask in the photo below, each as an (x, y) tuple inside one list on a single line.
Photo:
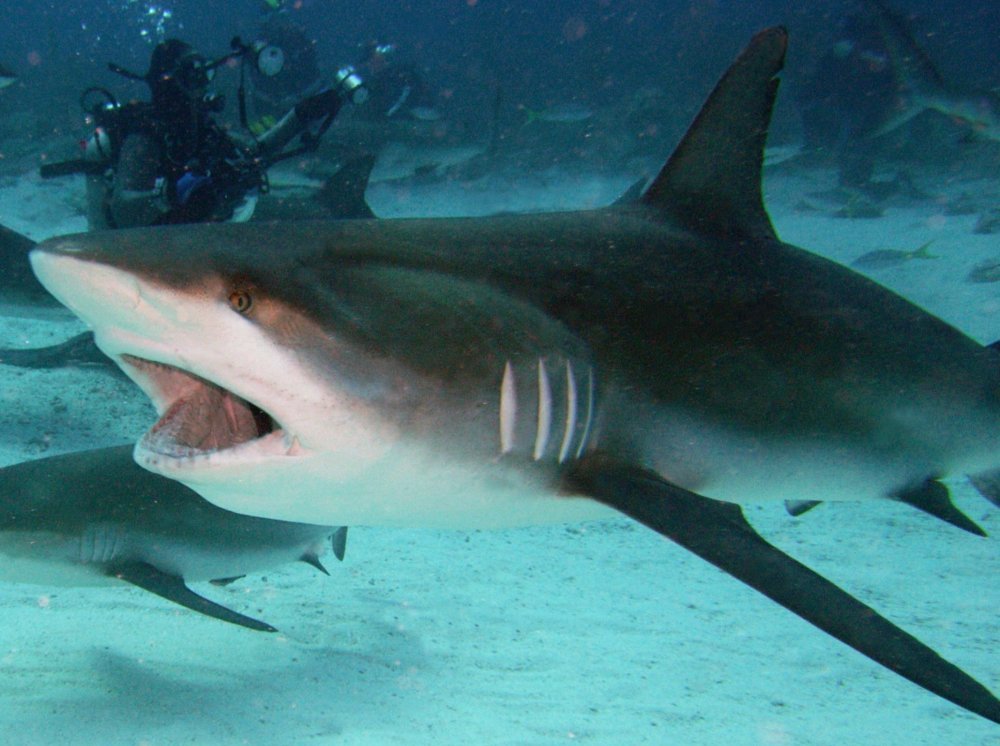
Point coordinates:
[(193, 75), (175, 66)]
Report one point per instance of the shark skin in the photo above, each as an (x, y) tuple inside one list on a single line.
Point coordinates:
[(667, 359), (96, 518), (342, 196)]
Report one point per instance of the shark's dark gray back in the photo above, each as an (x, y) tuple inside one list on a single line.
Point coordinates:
[(20, 291), (67, 493)]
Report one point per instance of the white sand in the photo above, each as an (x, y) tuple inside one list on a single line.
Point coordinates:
[(602, 634)]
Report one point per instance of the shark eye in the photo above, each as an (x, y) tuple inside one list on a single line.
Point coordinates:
[(241, 301)]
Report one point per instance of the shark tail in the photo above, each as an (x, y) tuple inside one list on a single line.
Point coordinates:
[(343, 194), (918, 81)]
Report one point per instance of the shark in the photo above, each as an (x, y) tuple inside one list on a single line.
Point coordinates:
[(668, 358), (95, 518), (341, 195), (6, 77), (920, 87), (21, 294)]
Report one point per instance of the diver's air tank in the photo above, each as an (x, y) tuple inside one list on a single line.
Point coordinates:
[(97, 147)]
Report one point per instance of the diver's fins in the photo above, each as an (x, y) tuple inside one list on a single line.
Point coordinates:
[(343, 193)]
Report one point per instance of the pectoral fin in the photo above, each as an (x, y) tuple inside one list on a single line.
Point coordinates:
[(172, 588), (718, 532)]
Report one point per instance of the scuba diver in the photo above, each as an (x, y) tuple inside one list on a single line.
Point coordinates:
[(846, 99), (169, 161), (286, 69), (396, 88)]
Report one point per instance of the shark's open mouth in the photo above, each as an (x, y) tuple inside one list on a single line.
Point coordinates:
[(199, 417)]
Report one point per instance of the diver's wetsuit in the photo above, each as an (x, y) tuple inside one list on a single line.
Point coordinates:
[(171, 162), (143, 185)]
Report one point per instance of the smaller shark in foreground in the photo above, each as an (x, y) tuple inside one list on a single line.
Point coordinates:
[(96, 518), (669, 358)]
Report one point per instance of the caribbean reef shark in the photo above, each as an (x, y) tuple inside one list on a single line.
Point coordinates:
[(667, 358), (921, 87), (341, 196), (95, 517)]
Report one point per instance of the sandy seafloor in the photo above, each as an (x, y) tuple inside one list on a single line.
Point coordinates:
[(601, 633)]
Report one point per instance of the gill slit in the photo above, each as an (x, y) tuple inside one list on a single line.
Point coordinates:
[(544, 424), (508, 409)]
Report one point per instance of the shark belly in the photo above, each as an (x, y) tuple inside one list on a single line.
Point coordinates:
[(49, 558), (408, 487), (902, 447)]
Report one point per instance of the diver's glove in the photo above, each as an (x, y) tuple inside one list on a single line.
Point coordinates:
[(192, 186)]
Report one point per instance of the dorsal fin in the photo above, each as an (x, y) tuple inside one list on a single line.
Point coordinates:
[(632, 194), (712, 181)]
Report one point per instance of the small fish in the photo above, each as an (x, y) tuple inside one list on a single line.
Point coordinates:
[(859, 206), (986, 271), (885, 258), (562, 113), (6, 77)]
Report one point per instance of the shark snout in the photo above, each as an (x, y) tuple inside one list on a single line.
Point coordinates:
[(88, 288)]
